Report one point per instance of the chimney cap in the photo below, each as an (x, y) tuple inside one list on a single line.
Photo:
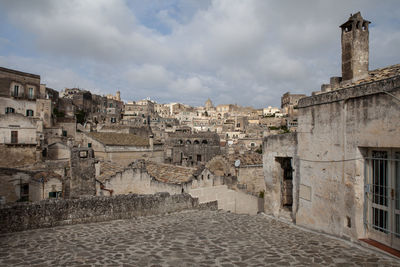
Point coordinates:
[(355, 17)]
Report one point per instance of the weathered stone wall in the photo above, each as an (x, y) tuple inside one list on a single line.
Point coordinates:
[(335, 129), (191, 149), (20, 106), (49, 213), (26, 128), (275, 146), (9, 77), (123, 155), (17, 155), (229, 200), (83, 179), (137, 181), (253, 178)]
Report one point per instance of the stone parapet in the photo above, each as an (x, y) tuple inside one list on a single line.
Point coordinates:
[(49, 213), (375, 87)]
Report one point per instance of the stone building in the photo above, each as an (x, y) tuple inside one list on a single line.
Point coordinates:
[(246, 171), (162, 110), (21, 139), (339, 173), (144, 177), (91, 107), (139, 113), (123, 148), (191, 149), (18, 92), (289, 102), (28, 185)]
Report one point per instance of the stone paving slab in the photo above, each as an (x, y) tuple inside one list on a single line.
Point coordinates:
[(191, 238)]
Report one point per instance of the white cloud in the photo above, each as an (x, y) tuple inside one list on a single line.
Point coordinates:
[(245, 52)]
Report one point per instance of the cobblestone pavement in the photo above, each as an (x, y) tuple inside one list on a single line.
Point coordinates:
[(192, 238)]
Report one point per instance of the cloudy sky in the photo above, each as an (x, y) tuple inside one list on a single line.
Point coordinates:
[(233, 51)]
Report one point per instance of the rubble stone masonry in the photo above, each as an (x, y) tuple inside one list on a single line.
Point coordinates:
[(48, 213)]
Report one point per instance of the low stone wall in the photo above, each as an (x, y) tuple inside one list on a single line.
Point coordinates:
[(48, 213), (229, 200)]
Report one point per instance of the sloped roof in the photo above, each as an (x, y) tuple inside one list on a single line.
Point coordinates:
[(246, 159), (119, 139), (170, 173), (108, 169), (376, 75)]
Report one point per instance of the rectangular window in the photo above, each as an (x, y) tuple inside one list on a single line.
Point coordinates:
[(24, 192), (10, 110), (16, 90), (382, 193), (14, 137), (64, 133), (55, 194), (29, 112), (30, 93)]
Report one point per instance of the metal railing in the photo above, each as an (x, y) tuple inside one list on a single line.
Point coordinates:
[(382, 192)]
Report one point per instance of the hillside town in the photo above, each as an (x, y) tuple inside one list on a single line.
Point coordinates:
[(328, 161)]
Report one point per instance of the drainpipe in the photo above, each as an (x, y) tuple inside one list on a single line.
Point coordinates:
[(102, 187)]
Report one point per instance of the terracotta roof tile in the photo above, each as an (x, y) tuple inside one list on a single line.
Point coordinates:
[(376, 75), (108, 169), (170, 173), (119, 139), (246, 159)]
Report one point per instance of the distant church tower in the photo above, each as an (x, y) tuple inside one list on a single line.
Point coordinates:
[(355, 48), (208, 105)]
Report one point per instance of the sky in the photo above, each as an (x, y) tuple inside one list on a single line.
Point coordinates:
[(245, 52)]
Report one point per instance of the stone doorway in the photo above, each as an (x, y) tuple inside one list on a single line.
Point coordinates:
[(286, 180)]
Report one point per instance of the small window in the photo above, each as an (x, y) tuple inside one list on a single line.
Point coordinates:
[(64, 133), (89, 145), (29, 112), (198, 157), (113, 120), (111, 105), (196, 142), (188, 142), (83, 154), (10, 110), (204, 142), (24, 193)]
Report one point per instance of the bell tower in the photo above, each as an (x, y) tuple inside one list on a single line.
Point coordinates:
[(355, 48)]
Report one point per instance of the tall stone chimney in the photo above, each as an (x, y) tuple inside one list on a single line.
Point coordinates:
[(355, 48)]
